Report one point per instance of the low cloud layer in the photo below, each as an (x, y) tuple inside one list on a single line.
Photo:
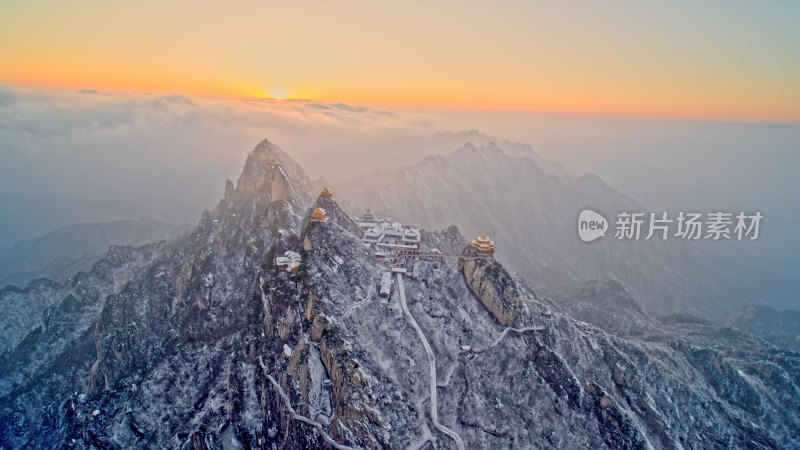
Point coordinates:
[(170, 154), (133, 146)]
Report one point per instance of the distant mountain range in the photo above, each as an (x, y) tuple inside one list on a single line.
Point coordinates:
[(531, 213), (30, 216), (26, 217), (781, 328), (70, 249)]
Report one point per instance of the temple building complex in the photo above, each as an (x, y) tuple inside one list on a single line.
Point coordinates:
[(389, 242), (289, 262)]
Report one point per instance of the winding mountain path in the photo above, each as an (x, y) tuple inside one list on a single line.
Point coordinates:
[(368, 297), (431, 367), (505, 331)]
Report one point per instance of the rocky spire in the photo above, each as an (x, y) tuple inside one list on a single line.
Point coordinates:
[(270, 175)]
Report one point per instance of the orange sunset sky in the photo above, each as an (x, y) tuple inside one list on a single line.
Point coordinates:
[(716, 60)]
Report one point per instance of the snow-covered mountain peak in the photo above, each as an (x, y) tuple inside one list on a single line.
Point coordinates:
[(270, 174)]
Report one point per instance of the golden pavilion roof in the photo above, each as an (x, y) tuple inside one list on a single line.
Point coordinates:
[(325, 193), (482, 244), (319, 214)]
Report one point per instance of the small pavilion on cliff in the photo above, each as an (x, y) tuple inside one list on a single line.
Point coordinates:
[(319, 215), (482, 245)]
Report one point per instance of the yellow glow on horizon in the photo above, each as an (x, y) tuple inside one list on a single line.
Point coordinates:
[(556, 104), (650, 60)]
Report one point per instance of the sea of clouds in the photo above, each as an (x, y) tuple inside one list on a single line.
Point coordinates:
[(167, 155)]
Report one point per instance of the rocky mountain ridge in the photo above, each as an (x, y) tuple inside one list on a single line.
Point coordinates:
[(208, 344)]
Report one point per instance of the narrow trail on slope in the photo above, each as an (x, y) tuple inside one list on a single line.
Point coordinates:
[(365, 299), (296, 416), (431, 366), (503, 334)]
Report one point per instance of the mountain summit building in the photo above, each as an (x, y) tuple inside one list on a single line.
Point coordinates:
[(482, 245), (389, 242)]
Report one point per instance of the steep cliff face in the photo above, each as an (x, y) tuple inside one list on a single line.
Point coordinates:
[(270, 173), (207, 344), (494, 287)]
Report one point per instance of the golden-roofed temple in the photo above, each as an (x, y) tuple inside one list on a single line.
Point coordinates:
[(325, 193), (482, 245), (319, 215)]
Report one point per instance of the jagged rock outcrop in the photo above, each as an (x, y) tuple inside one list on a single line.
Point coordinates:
[(267, 173), (495, 288)]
